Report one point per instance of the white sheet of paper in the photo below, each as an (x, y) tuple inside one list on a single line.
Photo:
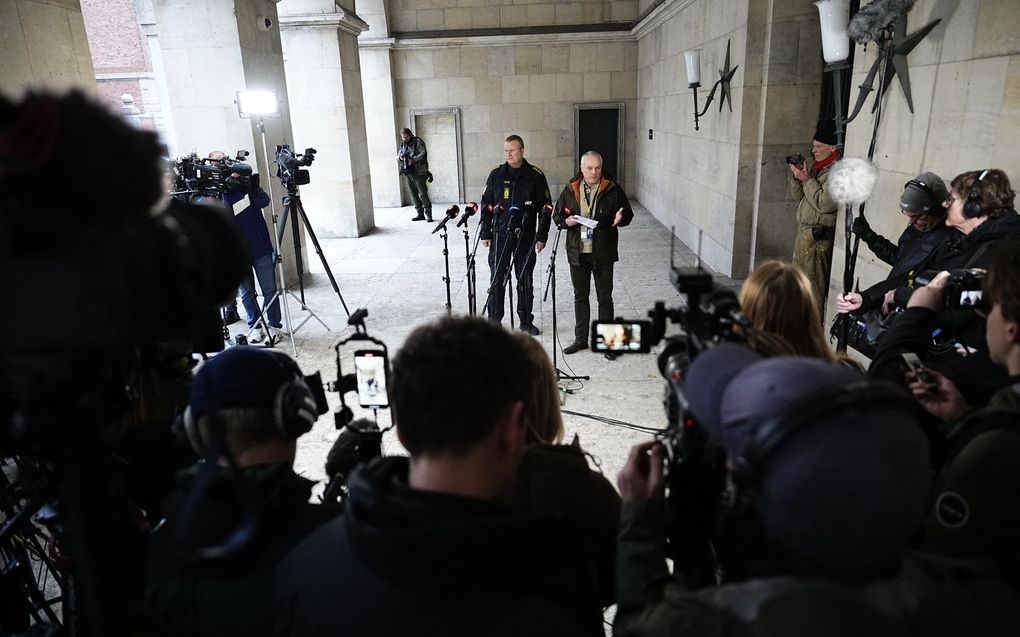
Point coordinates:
[(585, 221), (241, 205)]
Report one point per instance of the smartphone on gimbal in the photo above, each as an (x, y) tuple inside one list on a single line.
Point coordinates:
[(370, 372)]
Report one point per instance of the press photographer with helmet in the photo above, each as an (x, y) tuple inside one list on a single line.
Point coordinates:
[(245, 199)]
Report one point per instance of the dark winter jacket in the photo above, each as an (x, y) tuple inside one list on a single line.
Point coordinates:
[(249, 218), (556, 480), (527, 189), (229, 596), (415, 150), (408, 562), (913, 252), (974, 511), (975, 250), (606, 236), (928, 597)]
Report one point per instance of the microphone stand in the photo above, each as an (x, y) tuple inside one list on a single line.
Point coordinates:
[(551, 283), (450, 214), (469, 257)]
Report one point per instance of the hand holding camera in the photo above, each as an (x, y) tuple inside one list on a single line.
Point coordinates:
[(643, 478)]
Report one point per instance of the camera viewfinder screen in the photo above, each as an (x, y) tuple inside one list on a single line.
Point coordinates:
[(618, 337), (370, 369), (970, 298)]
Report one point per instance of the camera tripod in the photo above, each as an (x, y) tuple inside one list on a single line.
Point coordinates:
[(292, 208), (551, 283)]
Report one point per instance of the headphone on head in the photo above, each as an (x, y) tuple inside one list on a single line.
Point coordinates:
[(294, 409), (972, 206), (803, 412), (936, 203)]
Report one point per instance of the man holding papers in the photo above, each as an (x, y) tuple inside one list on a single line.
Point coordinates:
[(590, 209)]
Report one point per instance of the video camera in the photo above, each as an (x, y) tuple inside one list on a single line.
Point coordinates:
[(963, 290), (695, 468), (197, 176), (289, 163)]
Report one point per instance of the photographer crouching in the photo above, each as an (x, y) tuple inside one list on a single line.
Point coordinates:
[(245, 199), (827, 478)]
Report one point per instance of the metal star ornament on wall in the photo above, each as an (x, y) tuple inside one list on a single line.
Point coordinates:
[(722, 84), (902, 46)]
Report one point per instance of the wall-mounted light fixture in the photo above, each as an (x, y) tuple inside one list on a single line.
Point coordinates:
[(692, 57)]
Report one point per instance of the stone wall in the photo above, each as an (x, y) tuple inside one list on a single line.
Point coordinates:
[(521, 85), (965, 81), (44, 45), (411, 16)]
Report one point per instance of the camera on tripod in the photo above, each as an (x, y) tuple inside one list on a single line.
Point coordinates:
[(289, 163), (195, 176)]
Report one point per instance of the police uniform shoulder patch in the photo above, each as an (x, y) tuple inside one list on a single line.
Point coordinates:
[(537, 170)]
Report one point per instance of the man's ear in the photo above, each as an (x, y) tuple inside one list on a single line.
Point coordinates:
[(1013, 331), (513, 427)]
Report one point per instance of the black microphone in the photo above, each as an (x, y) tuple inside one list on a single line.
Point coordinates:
[(469, 211), (515, 218), (451, 212)]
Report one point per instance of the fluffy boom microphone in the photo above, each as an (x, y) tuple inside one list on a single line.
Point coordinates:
[(851, 181), (867, 23)]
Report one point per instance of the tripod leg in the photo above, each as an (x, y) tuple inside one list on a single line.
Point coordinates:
[(295, 230), (318, 251)]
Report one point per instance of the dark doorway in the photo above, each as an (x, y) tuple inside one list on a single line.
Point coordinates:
[(598, 129)]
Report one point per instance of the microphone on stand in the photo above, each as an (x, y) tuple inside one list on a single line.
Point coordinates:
[(469, 211), (561, 216), (451, 212)]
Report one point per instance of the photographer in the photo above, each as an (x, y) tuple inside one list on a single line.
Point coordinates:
[(922, 201), (816, 211), (248, 407), (974, 512), (827, 483), (413, 159), (246, 204)]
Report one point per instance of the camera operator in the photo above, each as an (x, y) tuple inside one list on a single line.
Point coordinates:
[(828, 479), (816, 211), (248, 406), (922, 201), (523, 192), (246, 204), (975, 513), (413, 158), (426, 545)]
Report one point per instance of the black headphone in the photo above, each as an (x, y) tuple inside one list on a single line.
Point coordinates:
[(295, 409), (803, 412), (972, 206)]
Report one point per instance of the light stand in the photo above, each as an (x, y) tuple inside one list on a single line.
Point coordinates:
[(551, 283)]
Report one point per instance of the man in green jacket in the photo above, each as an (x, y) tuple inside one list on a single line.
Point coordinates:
[(590, 209), (816, 211)]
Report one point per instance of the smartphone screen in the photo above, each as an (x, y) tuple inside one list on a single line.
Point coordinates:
[(620, 337), (370, 370), (916, 366)]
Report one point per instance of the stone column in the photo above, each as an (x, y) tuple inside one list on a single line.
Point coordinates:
[(44, 46), (212, 49), (376, 47), (324, 77)]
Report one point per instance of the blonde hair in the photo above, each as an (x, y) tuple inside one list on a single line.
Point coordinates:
[(542, 407), (777, 297)]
